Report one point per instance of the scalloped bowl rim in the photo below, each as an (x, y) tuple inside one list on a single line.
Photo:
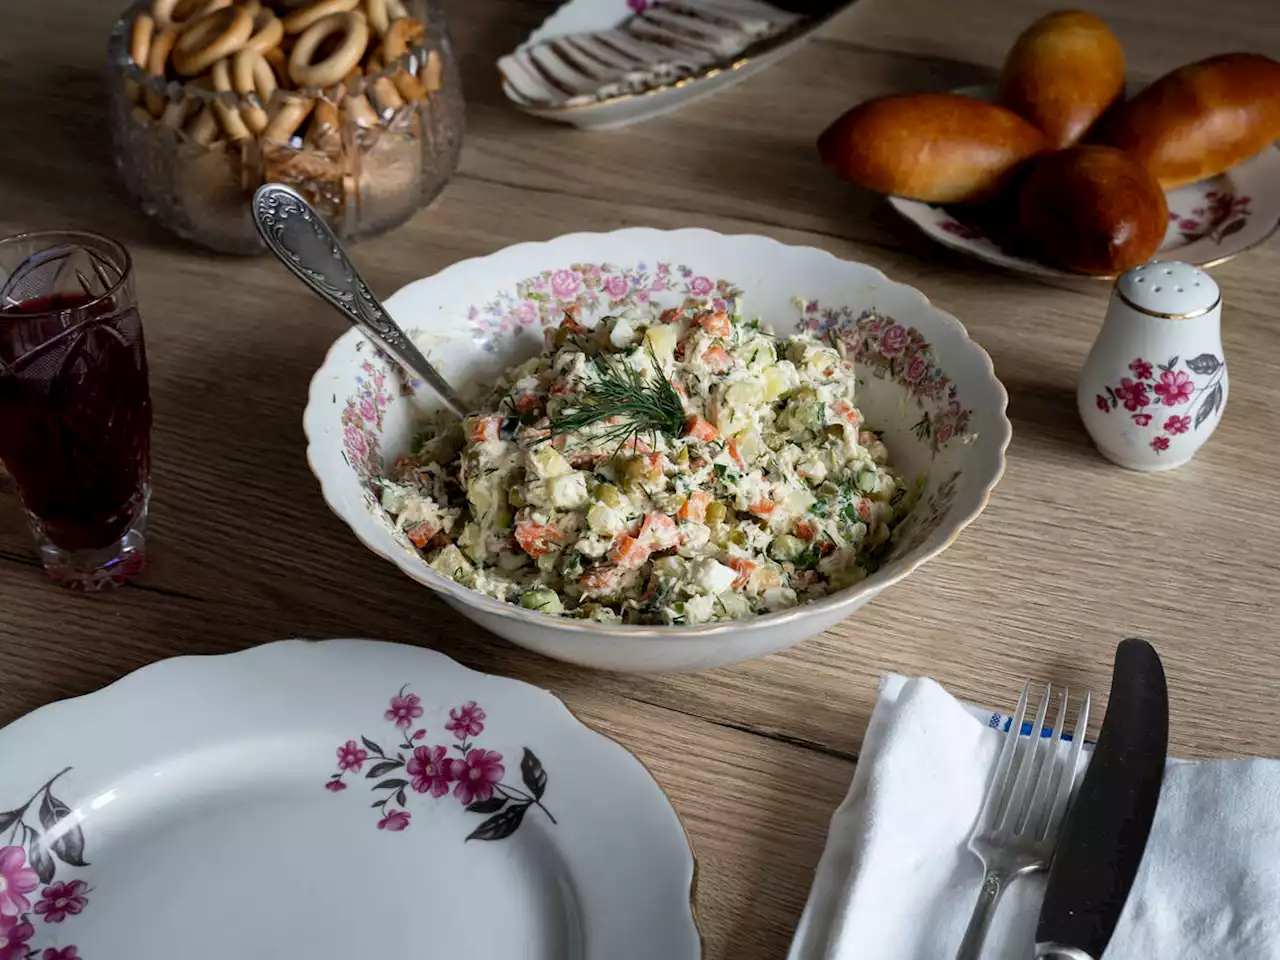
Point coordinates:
[(414, 565)]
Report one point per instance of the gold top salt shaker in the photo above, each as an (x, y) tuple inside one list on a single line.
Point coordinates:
[(1155, 383)]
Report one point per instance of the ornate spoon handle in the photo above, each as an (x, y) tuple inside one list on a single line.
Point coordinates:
[(295, 233)]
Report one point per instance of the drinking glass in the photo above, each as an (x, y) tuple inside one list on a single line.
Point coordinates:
[(75, 409)]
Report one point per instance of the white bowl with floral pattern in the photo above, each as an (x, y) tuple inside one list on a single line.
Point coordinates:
[(921, 380)]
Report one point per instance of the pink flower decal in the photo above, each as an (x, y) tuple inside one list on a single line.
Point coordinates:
[(476, 779), (615, 286), (367, 409), (431, 771), (1160, 443), (527, 313), (701, 286), (16, 881), (1177, 424), (395, 821), (565, 284), (894, 340), (1133, 395), (476, 775), (60, 900), (1101, 401), (917, 368), (1141, 369), (404, 710), (66, 953), (639, 6), (14, 935), (357, 445), (351, 757), (1174, 387), (464, 721), (1142, 419)]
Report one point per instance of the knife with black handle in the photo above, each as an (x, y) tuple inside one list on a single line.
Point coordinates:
[(1105, 833)]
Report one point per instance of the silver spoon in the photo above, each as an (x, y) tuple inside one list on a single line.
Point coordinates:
[(295, 232)]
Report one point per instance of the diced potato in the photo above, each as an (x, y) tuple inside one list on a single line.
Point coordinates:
[(778, 379), (604, 520), (452, 564), (623, 333), (471, 541), (749, 445), (546, 462), (712, 576), (670, 567), (569, 490), (745, 394), (812, 469), (663, 339)]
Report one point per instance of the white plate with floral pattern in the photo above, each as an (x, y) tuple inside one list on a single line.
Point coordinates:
[(1209, 222), (922, 382), (329, 801)]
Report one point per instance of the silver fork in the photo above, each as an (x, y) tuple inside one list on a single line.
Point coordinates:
[(1018, 827)]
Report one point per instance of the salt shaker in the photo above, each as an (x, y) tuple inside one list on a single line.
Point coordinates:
[(1155, 384)]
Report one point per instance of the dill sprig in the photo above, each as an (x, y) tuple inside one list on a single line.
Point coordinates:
[(641, 405)]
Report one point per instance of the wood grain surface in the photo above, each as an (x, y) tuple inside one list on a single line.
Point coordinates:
[(1071, 555)]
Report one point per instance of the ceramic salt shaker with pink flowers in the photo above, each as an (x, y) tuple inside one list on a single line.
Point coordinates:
[(1155, 384)]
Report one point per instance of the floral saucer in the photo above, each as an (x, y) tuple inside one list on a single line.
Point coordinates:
[(332, 800), (1209, 222)]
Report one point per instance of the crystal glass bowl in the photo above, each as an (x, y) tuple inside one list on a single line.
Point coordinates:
[(367, 151)]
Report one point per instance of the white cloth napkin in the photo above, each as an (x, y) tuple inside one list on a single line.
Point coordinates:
[(896, 881)]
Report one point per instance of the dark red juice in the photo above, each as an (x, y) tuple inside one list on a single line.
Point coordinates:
[(75, 414)]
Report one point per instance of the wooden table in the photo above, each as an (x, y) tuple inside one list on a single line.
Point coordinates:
[(1071, 555)]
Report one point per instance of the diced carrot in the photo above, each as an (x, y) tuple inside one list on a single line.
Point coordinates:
[(737, 457), (717, 359), (695, 508), (480, 429), (762, 507), (672, 315), (535, 538), (526, 403), (864, 510), (698, 463), (806, 530), (717, 324), (599, 578), (639, 445), (843, 410), (628, 551), (824, 547), (867, 438), (744, 568), (699, 428), (420, 534), (561, 389)]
